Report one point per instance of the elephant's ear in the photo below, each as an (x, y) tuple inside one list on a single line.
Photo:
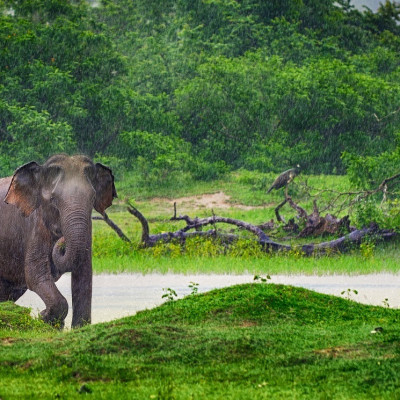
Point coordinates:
[(104, 186), (24, 189)]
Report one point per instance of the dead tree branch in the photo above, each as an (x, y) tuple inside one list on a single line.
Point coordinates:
[(112, 225), (278, 207), (386, 116), (349, 198), (300, 211), (197, 223), (149, 240), (145, 225), (346, 242)]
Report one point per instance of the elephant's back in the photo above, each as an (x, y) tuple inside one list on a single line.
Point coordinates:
[(5, 208), (10, 216), (13, 231)]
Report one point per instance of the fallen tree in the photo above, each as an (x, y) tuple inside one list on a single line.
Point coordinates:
[(194, 225), (314, 224)]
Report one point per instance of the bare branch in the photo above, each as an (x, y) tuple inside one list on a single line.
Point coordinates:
[(112, 225), (349, 198), (277, 208), (145, 226), (302, 213), (199, 222), (386, 116)]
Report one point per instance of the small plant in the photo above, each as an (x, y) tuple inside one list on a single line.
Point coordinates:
[(194, 287), (169, 294), (295, 253), (200, 247), (246, 248), (262, 279), (349, 293), (386, 303), (367, 248), (171, 249)]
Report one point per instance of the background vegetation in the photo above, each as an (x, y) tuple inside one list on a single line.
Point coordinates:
[(178, 90)]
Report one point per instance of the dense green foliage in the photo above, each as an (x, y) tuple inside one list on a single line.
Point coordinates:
[(200, 86), (258, 341)]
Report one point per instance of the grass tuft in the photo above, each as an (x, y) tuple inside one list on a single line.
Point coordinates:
[(13, 317)]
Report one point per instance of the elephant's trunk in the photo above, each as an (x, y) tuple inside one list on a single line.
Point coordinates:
[(74, 248), (73, 253)]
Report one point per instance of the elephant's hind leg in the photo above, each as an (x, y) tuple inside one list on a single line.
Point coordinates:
[(10, 292), (17, 293)]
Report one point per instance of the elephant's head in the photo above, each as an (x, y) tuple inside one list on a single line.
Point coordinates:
[(63, 191), (66, 189)]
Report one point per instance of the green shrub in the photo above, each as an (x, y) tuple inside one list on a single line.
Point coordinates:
[(207, 171), (246, 248), (367, 212)]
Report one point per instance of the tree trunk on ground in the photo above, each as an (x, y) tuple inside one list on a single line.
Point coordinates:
[(341, 244)]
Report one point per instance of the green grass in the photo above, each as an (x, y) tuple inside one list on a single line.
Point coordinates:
[(350, 264), (257, 341)]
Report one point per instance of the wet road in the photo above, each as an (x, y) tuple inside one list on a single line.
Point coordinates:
[(120, 295)]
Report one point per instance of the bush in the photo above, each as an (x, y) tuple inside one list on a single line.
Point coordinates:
[(367, 212), (31, 136), (368, 172), (207, 171), (156, 159)]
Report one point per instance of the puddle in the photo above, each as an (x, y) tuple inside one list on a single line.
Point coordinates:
[(119, 295)]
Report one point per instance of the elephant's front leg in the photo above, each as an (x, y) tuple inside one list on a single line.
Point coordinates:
[(39, 280), (81, 286)]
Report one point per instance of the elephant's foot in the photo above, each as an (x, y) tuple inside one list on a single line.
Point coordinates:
[(55, 315), (44, 286)]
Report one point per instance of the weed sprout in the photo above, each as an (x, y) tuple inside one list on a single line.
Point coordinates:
[(169, 294), (349, 293), (261, 278)]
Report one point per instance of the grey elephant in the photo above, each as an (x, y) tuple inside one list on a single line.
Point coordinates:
[(46, 230)]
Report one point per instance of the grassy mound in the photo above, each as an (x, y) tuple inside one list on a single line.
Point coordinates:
[(247, 341), (263, 304)]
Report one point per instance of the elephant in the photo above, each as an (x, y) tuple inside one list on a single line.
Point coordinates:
[(46, 230)]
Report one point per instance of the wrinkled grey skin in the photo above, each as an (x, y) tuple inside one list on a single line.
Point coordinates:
[(46, 230)]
